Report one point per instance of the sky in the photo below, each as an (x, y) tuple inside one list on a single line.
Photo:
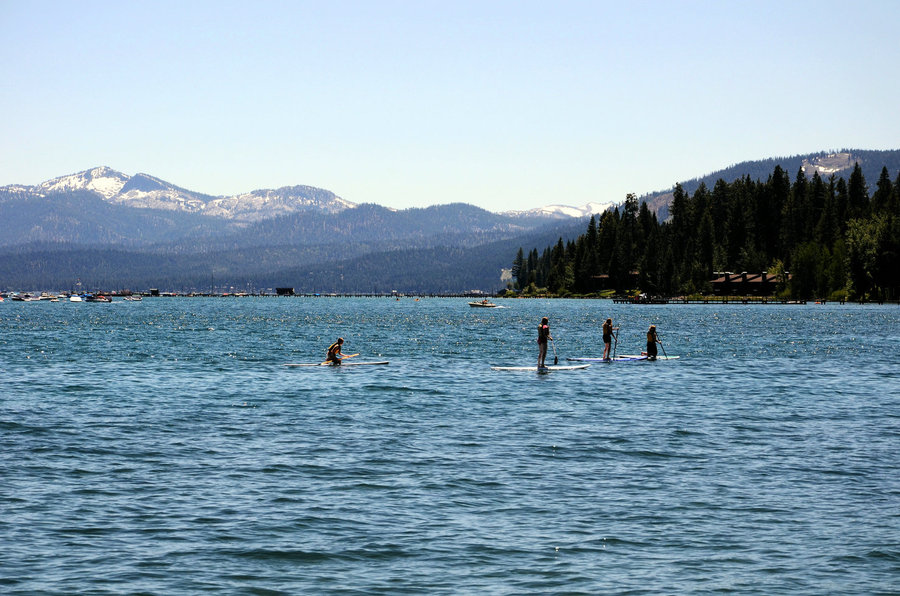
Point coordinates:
[(506, 105)]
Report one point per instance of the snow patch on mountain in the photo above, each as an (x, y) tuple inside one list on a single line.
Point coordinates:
[(143, 191), (167, 199), (104, 181), (826, 165), (564, 211), (273, 203)]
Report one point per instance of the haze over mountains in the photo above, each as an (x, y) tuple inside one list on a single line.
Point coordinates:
[(108, 230)]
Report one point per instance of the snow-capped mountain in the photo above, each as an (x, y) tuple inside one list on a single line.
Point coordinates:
[(105, 181), (563, 211), (143, 191), (277, 202)]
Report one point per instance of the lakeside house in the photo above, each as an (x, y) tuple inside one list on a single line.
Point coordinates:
[(745, 284)]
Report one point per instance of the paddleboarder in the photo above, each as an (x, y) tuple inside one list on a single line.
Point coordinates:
[(607, 337), (543, 338), (652, 340), (334, 352)]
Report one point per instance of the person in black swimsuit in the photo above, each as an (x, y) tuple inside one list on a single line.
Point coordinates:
[(543, 337), (607, 337), (652, 340)]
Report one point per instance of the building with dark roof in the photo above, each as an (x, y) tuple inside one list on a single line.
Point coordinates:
[(745, 284)]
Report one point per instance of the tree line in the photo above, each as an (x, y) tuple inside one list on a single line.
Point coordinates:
[(822, 238)]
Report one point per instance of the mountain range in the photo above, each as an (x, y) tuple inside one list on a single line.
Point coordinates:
[(107, 230), (143, 191)]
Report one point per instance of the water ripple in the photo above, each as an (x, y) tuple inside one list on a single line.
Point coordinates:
[(166, 449)]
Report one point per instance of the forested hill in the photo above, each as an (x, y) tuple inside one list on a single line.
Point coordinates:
[(839, 163), (822, 237), (84, 217), (335, 267), (455, 224), (55, 240)]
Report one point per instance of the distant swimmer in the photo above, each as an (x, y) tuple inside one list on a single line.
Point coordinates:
[(608, 337)]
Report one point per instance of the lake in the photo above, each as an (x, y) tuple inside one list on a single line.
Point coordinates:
[(161, 447)]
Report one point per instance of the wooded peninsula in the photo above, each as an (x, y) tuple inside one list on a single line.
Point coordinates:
[(821, 238)]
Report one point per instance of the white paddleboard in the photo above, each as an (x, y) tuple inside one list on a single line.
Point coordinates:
[(624, 358), (546, 368), (616, 359), (340, 365)]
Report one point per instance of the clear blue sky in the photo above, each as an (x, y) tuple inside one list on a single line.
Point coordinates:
[(502, 104)]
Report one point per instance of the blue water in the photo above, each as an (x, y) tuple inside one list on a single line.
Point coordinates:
[(161, 447)]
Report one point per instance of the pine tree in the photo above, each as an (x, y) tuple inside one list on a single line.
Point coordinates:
[(815, 206), (532, 268), (718, 207), (841, 206), (881, 199), (606, 241), (858, 194), (680, 220), (826, 229), (792, 224), (705, 246), (772, 209), (518, 269)]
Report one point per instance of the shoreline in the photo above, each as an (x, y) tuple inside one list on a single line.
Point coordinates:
[(657, 301)]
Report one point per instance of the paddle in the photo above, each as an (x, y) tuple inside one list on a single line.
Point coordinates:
[(555, 357), (615, 345), (662, 346)]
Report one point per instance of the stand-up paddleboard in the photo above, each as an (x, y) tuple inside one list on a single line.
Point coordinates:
[(624, 358), (543, 368), (340, 365), (616, 359)]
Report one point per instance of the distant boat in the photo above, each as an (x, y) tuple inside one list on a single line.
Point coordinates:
[(133, 298), (97, 298), (75, 298), (483, 304)]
